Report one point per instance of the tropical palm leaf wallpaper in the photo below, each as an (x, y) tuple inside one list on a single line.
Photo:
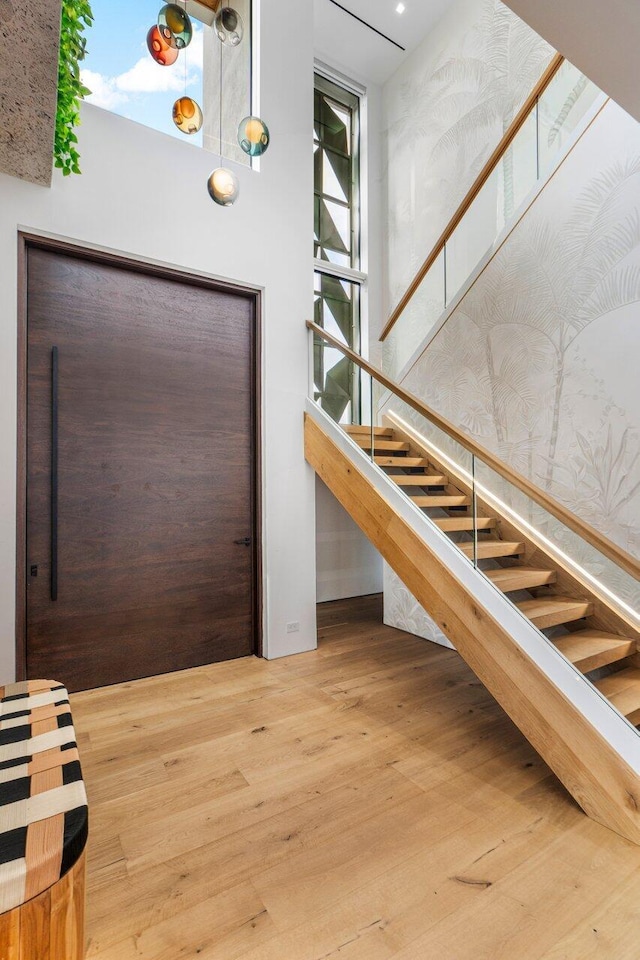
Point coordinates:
[(539, 359), (446, 109)]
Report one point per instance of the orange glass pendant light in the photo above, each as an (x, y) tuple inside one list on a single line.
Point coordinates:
[(161, 51), (187, 115)]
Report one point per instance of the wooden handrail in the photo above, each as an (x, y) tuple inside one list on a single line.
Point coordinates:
[(493, 161), (598, 540)]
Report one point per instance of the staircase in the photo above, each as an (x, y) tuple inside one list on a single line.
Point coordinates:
[(546, 641), (585, 639)]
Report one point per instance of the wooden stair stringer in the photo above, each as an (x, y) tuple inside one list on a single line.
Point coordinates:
[(600, 780)]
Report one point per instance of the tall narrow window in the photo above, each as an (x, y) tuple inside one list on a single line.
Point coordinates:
[(338, 278)]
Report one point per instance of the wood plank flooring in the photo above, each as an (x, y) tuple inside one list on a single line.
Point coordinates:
[(366, 801)]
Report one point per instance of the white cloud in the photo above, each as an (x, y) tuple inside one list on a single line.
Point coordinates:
[(146, 77), (104, 92)]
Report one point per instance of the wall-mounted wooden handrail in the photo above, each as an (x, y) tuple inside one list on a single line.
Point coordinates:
[(493, 161), (597, 540)]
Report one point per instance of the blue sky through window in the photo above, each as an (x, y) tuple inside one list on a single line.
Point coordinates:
[(121, 74)]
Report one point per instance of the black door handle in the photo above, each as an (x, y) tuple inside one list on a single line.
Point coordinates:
[(54, 473), (245, 542)]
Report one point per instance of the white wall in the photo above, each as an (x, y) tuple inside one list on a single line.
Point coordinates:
[(347, 565), (144, 193)]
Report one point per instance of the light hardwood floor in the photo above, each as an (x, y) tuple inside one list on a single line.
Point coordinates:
[(363, 802)]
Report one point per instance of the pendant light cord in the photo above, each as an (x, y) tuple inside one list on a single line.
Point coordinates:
[(220, 137)]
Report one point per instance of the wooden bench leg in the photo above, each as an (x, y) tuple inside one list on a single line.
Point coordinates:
[(51, 925)]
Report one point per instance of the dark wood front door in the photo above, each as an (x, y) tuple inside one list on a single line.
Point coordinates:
[(134, 566)]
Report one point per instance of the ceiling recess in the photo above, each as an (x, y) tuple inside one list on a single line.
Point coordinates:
[(203, 10)]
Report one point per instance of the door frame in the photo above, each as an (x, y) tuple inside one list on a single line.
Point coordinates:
[(28, 240)]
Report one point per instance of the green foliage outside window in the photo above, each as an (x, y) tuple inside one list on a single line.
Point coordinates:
[(76, 17)]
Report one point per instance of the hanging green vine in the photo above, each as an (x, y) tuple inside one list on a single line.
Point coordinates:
[(76, 17)]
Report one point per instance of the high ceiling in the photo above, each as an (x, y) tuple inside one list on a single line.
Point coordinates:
[(343, 41), (600, 38)]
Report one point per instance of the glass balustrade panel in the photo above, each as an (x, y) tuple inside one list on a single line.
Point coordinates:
[(518, 171), (561, 109), (417, 321), (474, 236), (534, 152), (495, 205), (554, 560), (524, 552)]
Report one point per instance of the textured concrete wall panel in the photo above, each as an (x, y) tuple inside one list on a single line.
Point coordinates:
[(29, 36)]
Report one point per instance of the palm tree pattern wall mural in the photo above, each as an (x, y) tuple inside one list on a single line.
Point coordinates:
[(448, 112), (539, 360)]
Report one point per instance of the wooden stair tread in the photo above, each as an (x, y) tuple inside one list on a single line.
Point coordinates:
[(419, 480), (616, 683), (553, 611), (590, 649), (401, 461), (355, 430), (520, 578), (623, 690), (382, 444), (465, 524), (586, 649), (488, 549), (442, 500)]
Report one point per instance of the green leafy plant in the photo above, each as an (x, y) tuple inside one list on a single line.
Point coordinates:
[(76, 17)]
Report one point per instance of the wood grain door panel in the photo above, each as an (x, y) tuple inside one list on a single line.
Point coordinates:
[(156, 472)]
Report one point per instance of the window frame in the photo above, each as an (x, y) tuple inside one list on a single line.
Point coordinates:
[(353, 97)]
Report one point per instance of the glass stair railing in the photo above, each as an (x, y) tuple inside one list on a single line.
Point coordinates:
[(577, 588), (544, 131)]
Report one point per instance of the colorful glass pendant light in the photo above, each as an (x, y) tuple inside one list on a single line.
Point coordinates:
[(161, 51), (187, 115), (175, 25), (253, 136), (229, 26), (223, 187)]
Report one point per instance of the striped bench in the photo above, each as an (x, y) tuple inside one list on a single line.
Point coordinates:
[(43, 825)]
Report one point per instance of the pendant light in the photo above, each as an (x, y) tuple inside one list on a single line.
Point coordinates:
[(229, 26), (187, 112), (253, 136), (165, 40), (223, 185), (187, 115), (174, 23), (161, 51)]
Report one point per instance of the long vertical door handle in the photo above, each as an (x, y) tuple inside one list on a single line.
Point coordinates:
[(54, 473)]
